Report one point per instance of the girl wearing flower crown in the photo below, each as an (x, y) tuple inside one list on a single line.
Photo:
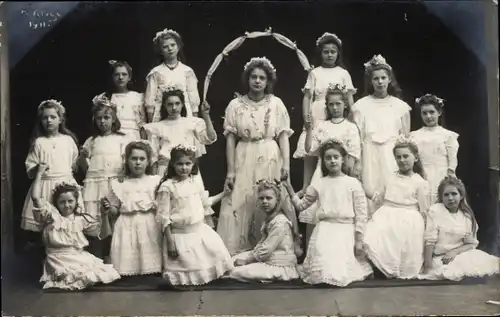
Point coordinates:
[(381, 117), (330, 73), (193, 253), (101, 159), (136, 242), (394, 236), (274, 258), (67, 266), (53, 145), (451, 238), (171, 72), (336, 126), (438, 146), (257, 128), (175, 129), (335, 252), (129, 104)]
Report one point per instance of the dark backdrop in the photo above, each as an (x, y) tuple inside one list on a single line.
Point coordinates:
[(70, 64)]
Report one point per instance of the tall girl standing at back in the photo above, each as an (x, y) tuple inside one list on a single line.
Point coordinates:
[(330, 73), (53, 145), (381, 117), (171, 72), (129, 104), (438, 146)]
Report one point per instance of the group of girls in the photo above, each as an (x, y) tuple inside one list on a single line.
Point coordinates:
[(375, 195)]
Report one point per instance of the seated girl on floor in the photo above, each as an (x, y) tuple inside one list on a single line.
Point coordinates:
[(274, 258), (451, 238), (67, 266)]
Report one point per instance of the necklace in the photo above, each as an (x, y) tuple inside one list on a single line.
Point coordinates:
[(172, 67)]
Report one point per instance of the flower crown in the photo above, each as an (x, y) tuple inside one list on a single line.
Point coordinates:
[(328, 35), (65, 184), (377, 60), (332, 141), (404, 140), (112, 62), (431, 97), (58, 104), (165, 32), (185, 148), (337, 88), (103, 100), (263, 60), (173, 87), (268, 183)]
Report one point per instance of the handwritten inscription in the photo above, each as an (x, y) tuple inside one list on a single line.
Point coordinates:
[(40, 19)]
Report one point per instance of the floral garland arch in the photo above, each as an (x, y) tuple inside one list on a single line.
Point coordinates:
[(235, 44)]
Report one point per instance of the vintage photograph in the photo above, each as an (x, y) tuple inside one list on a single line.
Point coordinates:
[(214, 157)]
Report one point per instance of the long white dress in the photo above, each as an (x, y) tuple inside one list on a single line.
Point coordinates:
[(394, 236), (257, 126), (130, 111), (446, 231), (136, 242), (105, 164), (438, 150), (340, 214), (183, 205), (67, 266), (274, 255), (317, 82), (380, 122), (161, 77), (60, 154)]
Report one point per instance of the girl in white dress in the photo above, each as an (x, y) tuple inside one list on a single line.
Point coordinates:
[(274, 258), (335, 253), (451, 238), (336, 126), (438, 147), (174, 129), (257, 130), (129, 104), (331, 72), (394, 237), (193, 253), (101, 159), (171, 72), (56, 146), (67, 266), (136, 242), (381, 117)]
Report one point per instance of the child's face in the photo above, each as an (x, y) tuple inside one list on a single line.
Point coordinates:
[(451, 197), (405, 159), (257, 80), (329, 54), (50, 120), (333, 160), (430, 115), (380, 81), (104, 120), (121, 77), (335, 106), (174, 106), (169, 48), (183, 166), (267, 200), (66, 203), (137, 162)]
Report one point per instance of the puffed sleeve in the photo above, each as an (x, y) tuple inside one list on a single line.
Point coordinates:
[(471, 237), (230, 125), (360, 207), (431, 227), (358, 117), (424, 196), (452, 146), (163, 201), (347, 81), (151, 90), (282, 119), (404, 112), (152, 133), (318, 135), (192, 90), (200, 132), (45, 214), (310, 83), (140, 111), (115, 196), (277, 231), (33, 158), (74, 151), (353, 142)]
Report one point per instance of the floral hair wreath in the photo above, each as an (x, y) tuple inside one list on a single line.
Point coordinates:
[(66, 184), (103, 100), (186, 148), (337, 88), (266, 182), (377, 60), (432, 97), (328, 35), (173, 87), (263, 60), (165, 32), (54, 102), (333, 141), (404, 140)]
